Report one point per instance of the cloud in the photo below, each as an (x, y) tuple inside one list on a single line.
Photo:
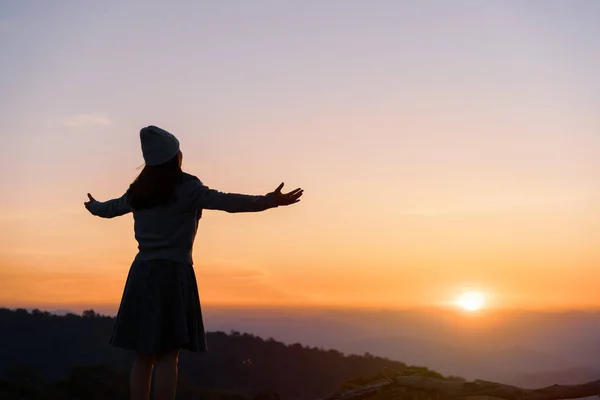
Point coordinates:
[(79, 120)]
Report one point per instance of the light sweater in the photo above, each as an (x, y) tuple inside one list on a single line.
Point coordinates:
[(168, 232)]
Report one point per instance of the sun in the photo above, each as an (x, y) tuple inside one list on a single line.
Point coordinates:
[(471, 301)]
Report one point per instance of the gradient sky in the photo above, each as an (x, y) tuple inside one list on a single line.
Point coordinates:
[(441, 146)]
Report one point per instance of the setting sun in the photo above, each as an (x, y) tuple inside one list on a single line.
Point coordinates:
[(471, 301)]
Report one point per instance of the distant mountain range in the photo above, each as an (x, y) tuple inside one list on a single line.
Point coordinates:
[(505, 347), (498, 365), (40, 346), (525, 348), (559, 376)]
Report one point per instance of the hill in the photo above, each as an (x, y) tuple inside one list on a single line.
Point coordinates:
[(71, 353)]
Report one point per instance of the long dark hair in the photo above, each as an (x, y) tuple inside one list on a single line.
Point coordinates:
[(155, 185)]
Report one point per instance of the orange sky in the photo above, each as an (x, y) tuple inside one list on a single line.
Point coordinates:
[(464, 158), (312, 254)]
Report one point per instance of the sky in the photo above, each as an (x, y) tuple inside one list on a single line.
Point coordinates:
[(442, 147)]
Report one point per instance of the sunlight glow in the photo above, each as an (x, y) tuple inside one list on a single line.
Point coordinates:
[(471, 301)]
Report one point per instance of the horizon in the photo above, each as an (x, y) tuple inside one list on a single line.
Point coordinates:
[(110, 310), (443, 148)]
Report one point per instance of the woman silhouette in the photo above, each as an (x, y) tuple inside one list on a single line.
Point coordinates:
[(160, 309)]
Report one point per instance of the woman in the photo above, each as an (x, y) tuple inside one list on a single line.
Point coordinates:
[(160, 310)]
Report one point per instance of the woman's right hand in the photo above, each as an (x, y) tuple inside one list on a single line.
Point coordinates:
[(88, 203), (285, 199)]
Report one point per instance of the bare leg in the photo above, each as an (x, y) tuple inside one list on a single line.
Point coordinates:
[(165, 375), (141, 374)]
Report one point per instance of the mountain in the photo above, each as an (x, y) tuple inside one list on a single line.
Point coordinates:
[(545, 378), (518, 342), (496, 365), (548, 353), (41, 346)]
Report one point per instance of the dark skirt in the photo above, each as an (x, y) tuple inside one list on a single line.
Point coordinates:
[(160, 309)]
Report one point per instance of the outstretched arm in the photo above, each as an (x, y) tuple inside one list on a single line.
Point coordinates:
[(108, 209), (203, 197)]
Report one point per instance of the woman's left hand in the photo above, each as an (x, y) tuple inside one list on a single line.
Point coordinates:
[(285, 199)]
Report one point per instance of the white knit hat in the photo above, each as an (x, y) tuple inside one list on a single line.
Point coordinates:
[(158, 145)]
